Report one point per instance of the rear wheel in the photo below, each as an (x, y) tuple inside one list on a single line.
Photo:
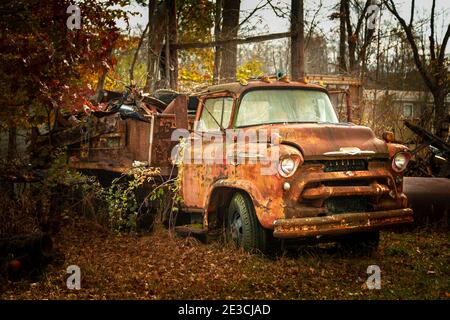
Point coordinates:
[(242, 226)]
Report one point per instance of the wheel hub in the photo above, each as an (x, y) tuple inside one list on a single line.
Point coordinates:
[(236, 228)]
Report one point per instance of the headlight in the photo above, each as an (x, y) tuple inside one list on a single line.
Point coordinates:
[(400, 161), (287, 167)]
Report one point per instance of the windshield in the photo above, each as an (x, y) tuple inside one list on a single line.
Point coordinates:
[(284, 106)]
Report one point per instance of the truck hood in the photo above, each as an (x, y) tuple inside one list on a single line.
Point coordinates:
[(321, 141)]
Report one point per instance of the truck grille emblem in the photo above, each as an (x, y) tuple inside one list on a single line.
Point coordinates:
[(350, 151)]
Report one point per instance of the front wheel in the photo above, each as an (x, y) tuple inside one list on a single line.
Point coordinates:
[(242, 226)]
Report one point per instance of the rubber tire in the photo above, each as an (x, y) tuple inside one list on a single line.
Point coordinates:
[(361, 244), (254, 236)]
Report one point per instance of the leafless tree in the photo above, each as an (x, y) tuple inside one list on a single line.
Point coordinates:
[(432, 63)]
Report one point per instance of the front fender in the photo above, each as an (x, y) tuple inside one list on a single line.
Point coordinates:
[(262, 204)]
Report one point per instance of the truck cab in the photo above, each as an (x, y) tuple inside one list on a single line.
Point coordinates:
[(269, 159)]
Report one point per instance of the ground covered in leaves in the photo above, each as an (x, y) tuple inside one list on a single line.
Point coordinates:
[(414, 265)]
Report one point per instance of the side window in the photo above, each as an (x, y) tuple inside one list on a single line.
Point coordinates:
[(215, 111)]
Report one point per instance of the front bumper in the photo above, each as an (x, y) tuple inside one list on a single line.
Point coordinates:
[(338, 224)]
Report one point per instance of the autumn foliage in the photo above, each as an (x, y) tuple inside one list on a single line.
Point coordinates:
[(45, 66)]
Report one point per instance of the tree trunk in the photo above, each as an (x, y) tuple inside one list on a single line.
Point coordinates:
[(12, 143), (297, 41), (230, 26), (217, 18), (165, 60), (342, 38), (149, 83), (440, 114), (351, 37), (173, 38), (157, 33)]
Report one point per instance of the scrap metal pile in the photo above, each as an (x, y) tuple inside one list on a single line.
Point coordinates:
[(426, 182), (431, 155), (99, 118)]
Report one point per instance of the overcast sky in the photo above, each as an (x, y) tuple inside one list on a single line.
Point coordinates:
[(268, 22)]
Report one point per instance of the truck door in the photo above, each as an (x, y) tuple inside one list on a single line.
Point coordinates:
[(208, 150)]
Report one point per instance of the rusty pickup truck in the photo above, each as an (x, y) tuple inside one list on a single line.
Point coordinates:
[(262, 160)]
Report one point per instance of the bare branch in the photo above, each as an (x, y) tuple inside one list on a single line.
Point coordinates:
[(311, 28), (251, 14), (361, 17), (411, 19), (390, 5), (278, 12), (136, 53), (432, 49), (444, 46)]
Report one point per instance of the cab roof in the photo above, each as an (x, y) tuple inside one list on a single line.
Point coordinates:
[(239, 87)]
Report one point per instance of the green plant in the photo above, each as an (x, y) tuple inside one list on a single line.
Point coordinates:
[(122, 198), (143, 191)]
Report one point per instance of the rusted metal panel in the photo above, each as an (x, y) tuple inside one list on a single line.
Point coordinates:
[(138, 141), (323, 192), (314, 140), (430, 200), (164, 125), (341, 223), (239, 88), (127, 143), (181, 112), (334, 80)]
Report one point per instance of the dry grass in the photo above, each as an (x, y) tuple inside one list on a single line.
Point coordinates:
[(414, 266)]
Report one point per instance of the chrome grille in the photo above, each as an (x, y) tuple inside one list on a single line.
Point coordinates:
[(343, 164)]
